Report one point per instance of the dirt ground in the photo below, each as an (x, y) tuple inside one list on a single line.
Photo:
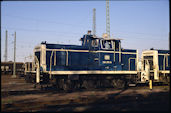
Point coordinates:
[(19, 96)]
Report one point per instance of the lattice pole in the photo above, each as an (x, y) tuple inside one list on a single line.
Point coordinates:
[(6, 46), (94, 22), (107, 19)]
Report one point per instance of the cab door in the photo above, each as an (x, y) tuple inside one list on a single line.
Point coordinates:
[(132, 65), (93, 57), (106, 55)]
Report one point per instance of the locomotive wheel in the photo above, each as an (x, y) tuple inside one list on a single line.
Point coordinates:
[(33, 80), (54, 82), (88, 84), (67, 85), (118, 83), (28, 78), (98, 84), (75, 85), (60, 83), (106, 83)]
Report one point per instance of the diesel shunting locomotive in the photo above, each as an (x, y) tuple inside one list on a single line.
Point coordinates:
[(98, 62)]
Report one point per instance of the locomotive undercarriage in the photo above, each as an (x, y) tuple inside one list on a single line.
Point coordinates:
[(164, 78), (30, 77), (71, 82)]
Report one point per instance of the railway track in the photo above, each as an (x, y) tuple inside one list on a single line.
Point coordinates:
[(22, 96)]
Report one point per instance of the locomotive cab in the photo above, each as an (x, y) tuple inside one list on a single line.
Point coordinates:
[(111, 44), (105, 53), (92, 42)]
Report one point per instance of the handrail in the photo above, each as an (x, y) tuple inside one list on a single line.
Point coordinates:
[(164, 60), (51, 63), (36, 59), (119, 52), (129, 62), (114, 51), (38, 70)]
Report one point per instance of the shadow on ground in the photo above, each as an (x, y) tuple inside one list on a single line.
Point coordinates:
[(116, 102), (112, 102)]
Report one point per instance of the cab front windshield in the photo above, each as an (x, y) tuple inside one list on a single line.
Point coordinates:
[(107, 44)]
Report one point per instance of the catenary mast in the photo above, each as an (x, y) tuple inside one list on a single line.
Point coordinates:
[(94, 22), (107, 19)]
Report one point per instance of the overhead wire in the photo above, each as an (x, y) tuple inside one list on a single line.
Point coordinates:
[(73, 25), (71, 33), (45, 21), (37, 30)]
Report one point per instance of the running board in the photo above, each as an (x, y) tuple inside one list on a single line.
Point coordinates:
[(132, 85)]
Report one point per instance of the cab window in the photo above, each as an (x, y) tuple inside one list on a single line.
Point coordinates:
[(95, 43), (116, 46), (107, 44)]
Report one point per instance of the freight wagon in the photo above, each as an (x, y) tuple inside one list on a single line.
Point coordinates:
[(7, 68)]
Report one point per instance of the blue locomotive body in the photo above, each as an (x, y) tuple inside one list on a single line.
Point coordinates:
[(97, 62), (164, 59), (95, 54)]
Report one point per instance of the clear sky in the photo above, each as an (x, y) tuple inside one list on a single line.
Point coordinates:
[(141, 24)]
